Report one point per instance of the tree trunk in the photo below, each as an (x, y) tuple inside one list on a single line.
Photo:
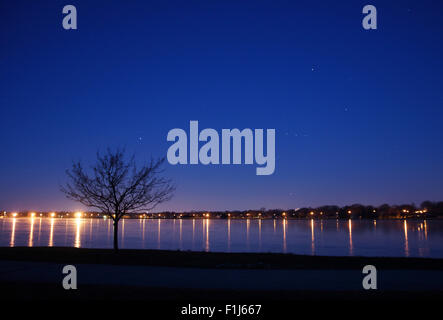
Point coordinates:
[(116, 236)]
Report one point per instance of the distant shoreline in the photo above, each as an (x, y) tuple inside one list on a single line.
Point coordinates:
[(238, 218), (426, 210)]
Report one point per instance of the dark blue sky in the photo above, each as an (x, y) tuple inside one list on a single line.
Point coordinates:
[(358, 114)]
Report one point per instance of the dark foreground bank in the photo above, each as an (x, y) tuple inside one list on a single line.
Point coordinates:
[(179, 278), (177, 297), (192, 259)]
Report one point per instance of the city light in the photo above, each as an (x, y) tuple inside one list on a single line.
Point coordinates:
[(14, 214), (78, 214)]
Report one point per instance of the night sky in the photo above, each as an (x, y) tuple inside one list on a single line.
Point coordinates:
[(358, 114)]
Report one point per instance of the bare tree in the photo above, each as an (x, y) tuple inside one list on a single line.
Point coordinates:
[(116, 187)]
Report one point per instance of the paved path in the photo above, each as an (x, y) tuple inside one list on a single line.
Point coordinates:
[(40, 272)]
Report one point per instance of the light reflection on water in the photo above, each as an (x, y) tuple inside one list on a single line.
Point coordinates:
[(418, 238)]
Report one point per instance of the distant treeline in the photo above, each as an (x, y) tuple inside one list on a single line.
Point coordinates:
[(427, 209)]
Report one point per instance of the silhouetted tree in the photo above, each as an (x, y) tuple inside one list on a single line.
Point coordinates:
[(117, 187)]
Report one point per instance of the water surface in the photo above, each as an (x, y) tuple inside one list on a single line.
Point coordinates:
[(396, 238)]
